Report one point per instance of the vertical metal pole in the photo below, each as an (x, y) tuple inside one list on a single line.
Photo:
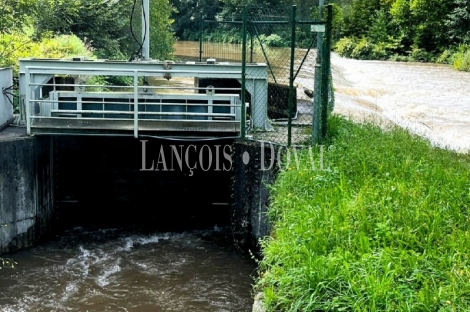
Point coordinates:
[(243, 115), (320, 17), (251, 47), (316, 124), (28, 101), (136, 104), (326, 70), (201, 29), (291, 76), (146, 29)]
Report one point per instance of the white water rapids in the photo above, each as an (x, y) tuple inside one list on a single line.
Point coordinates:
[(430, 100)]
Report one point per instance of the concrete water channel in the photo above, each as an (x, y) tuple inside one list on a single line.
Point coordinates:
[(101, 218)]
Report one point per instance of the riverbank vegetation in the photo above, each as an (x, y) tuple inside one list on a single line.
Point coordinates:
[(188, 15), (417, 30), (401, 30), (383, 227), (90, 28)]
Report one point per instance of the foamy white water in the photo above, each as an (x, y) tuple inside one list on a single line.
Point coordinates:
[(430, 100)]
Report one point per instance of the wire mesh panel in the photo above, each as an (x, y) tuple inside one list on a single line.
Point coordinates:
[(286, 39)]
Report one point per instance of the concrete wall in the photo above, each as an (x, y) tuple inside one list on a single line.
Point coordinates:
[(6, 109), (255, 170), (26, 201), (91, 174)]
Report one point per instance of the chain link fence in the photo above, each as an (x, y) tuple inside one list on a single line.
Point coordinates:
[(292, 107)]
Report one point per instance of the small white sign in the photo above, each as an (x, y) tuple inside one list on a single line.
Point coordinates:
[(317, 28)]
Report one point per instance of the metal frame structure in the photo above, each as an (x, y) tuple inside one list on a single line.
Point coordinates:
[(147, 111), (250, 20)]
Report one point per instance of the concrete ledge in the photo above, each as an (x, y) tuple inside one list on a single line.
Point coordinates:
[(13, 133)]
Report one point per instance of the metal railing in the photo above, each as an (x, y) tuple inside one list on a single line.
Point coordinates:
[(91, 106)]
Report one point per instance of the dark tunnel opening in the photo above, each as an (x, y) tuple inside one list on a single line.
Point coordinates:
[(120, 181)]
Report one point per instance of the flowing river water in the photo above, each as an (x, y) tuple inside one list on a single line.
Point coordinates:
[(430, 100), (131, 269)]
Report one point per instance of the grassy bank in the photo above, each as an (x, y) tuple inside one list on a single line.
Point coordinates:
[(385, 228)]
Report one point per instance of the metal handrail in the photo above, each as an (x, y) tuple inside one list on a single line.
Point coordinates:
[(134, 98), (146, 103), (100, 112)]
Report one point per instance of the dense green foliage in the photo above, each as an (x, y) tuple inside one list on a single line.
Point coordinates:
[(21, 44), (417, 30), (104, 23), (188, 15), (383, 227), (406, 30), (34, 28)]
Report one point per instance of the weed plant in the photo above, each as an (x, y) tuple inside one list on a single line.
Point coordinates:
[(383, 227)]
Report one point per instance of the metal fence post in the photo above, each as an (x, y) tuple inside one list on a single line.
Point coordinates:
[(326, 70), (317, 90), (243, 115), (291, 76), (201, 30), (316, 123), (251, 47), (136, 104)]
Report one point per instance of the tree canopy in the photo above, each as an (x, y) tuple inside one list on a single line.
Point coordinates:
[(104, 27), (419, 30)]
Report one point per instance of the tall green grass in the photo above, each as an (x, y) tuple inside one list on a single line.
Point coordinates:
[(385, 227)]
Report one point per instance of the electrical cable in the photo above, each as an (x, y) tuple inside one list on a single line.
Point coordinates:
[(133, 56), (8, 88), (5, 92), (144, 16), (138, 53), (132, 21)]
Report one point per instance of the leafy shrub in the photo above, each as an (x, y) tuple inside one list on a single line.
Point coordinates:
[(20, 44), (421, 55), (363, 49), (445, 57), (380, 51), (231, 35), (273, 40), (64, 46), (345, 46), (399, 58), (461, 59)]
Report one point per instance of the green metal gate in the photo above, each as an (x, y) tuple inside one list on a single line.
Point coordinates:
[(296, 49)]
